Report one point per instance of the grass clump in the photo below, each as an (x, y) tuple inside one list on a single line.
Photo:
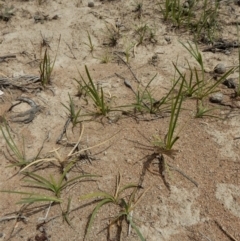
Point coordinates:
[(46, 69), (95, 95), (50, 184), (90, 43), (74, 114), (117, 199), (46, 66), (18, 154), (198, 85)]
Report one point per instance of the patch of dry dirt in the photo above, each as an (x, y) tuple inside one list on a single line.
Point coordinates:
[(206, 151)]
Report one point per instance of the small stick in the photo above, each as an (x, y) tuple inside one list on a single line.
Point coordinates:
[(225, 231), (7, 218), (63, 131), (185, 175), (129, 67), (4, 57), (70, 50), (205, 236), (129, 225), (44, 218)]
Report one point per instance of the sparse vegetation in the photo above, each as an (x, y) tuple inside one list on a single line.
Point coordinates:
[(176, 97)]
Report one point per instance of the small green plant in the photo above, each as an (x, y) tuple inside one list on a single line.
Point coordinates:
[(206, 25), (73, 114), (106, 57), (144, 100), (165, 146), (46, 69), (18, 155), (141, 31), (54, 186), (116, 199), (138, 8), (201, 87), (90, 43), (113, 35), (127, 51), (174, 11), (203, 110), (46, 66), (97, 96)]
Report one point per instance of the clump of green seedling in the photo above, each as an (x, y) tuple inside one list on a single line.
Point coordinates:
[(90, 43), (97, 96), (203, 110), (198, 85), (74, 114), (46, 67), (170, 138), (113, 34), (18, 155), (117, 199), (138, 8)]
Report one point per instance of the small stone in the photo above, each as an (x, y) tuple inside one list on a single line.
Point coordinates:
[(90, 4), (230, 83), (220, 69), (128, 160), (154, 57), (186, 4), (167, 38), (216, 98)]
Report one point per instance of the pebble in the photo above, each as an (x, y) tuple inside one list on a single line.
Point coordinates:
[(216, 98), (90, 4), (168, 39), (230, 83), (220, 69)]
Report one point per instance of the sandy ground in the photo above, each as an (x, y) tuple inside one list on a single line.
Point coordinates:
[(207, 151)]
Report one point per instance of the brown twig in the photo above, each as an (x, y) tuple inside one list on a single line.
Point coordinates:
[(129, 67), (225, 231), (183, 174), (8, 56)]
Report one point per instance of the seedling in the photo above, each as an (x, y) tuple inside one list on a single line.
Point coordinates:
[(203, 111), (207, 24), (141, 31), (165, 146), (127, 51), (138, 8), (113, 34), (90, 43), (46, 67), (106, 57), (116, 199), (18, 155), (98, 97), (73, 114), (201, 87), (174, 11), (52, 185)]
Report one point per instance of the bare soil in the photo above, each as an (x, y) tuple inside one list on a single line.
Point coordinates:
[(207, 150)]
